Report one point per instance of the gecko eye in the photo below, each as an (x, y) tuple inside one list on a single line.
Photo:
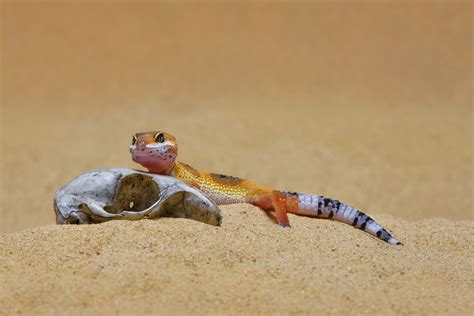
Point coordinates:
[(160, 137), (134, 139)]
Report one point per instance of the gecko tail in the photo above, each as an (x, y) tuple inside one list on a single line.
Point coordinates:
[(322, 207)]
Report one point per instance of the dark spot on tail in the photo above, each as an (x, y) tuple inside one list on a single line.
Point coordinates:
[(364, 224), (331, 214), (356, 219), (385, 235)]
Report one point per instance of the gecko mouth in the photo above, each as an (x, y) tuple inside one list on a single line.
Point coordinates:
[(152, 156), (143, 151), (142, 154)]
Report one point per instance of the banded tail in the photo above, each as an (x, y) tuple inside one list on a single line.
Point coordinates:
[(322, 207)]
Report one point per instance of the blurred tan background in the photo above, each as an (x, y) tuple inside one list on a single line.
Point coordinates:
[(369, 102)]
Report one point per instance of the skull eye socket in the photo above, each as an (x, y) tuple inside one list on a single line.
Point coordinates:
[(134, 139), (160, 137)]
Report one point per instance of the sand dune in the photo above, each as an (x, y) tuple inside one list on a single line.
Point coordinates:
[(249, 265)]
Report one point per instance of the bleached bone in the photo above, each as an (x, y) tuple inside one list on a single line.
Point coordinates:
[(109, 194)]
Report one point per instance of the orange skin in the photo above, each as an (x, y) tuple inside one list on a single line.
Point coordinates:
[(157, 152)]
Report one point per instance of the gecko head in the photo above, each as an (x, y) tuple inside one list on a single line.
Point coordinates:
[(155, 151)]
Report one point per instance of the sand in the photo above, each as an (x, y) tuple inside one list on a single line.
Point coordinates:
[(249, 265), (367, 103)]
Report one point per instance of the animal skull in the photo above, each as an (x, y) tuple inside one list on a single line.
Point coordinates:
[(107, 194)]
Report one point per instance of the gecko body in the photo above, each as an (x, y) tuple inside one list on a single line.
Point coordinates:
[(157, 152)]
